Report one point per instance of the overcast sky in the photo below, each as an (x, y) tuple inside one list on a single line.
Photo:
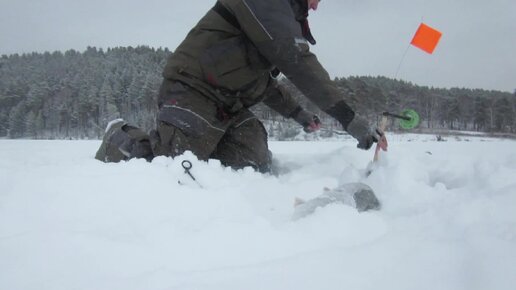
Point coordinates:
[(355, 37)]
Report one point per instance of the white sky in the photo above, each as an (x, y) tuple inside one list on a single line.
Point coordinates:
[(355, 37)]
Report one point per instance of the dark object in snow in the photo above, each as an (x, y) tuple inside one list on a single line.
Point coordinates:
[(187, 165), (357, 195), (123, 142)]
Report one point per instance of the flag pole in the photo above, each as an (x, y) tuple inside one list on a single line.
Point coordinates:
[(401, 61)]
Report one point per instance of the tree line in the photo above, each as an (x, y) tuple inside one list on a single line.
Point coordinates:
[(75, 94)]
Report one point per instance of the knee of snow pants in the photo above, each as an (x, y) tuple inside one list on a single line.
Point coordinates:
[(187, 120), (245, 144), (240, 142)]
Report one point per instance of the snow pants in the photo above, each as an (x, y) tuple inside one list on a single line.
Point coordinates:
[(188, 120)]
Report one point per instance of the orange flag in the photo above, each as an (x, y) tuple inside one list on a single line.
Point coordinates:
[(426, 38)]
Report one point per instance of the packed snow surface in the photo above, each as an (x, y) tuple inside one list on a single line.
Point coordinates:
[(448, 219)]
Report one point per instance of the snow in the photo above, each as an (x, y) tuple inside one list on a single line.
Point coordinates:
[(448, 219), (113, 122)]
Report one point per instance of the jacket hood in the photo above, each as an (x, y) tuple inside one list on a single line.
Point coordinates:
[(300, 8)]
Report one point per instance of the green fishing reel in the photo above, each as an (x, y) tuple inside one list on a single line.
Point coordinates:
[(409, 119), (413, 120)]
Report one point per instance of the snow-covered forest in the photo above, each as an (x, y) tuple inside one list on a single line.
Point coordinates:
[(73, 95)]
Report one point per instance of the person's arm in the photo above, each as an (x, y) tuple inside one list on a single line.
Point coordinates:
[(279, 98), (272, 27)]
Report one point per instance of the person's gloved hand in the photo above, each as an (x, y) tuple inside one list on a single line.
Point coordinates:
[(308, 120), (366, 135)]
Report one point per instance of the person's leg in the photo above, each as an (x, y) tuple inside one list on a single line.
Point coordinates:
[(245, 144), (169, 140), (186, 121)]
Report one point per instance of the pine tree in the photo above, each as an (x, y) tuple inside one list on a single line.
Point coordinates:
[(481, 115), (33, 125), (135, 100), (4, 122), (514, 112), (504, 115), (107, 107), (17, 121)]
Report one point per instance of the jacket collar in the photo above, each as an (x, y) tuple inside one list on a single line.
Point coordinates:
[(300, 8)]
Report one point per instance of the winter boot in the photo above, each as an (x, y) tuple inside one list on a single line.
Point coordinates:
[(123, 142)]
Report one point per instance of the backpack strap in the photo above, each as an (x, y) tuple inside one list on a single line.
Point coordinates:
[(220, 9)]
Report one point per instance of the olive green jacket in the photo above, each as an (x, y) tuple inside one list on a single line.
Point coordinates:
[(230, 60)]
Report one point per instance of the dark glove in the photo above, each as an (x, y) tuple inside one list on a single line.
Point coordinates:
[(308, 120), (366, 135), (356, 126)]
